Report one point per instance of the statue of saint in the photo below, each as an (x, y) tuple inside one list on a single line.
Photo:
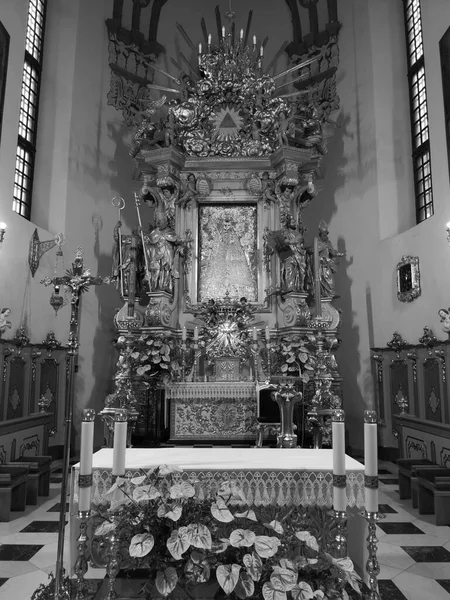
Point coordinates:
[(4, 323), (162, 245), (120, 270), (327, 262), (293, 267)]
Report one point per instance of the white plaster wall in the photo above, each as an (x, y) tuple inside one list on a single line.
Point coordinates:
[(18, 290)]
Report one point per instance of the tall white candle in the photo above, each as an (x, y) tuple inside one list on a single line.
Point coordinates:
[(338, 433), (120, 442), (223, 32), (371, 460), (241, 35), (261, 51), (183, 334), (254, 40), (255, 334), (209, 39), (86, 451), (199, 48), (195, 333), (267, 334)]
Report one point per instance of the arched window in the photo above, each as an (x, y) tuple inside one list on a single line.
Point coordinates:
[(419, 111), (29, 107)]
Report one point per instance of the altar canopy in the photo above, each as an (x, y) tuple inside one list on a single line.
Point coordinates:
[(267, 476)]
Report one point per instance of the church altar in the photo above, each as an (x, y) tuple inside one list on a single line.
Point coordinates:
[(267, 476), (212, 410)]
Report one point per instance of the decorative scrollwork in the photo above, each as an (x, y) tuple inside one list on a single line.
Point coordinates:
[(397, 343)]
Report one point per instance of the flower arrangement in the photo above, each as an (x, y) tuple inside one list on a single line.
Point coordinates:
[(152, 357), (185, 542), (293, 355)]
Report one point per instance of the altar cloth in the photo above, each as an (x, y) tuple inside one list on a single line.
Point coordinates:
[(267, 476)]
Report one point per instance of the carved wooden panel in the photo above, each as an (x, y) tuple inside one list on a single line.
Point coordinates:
[(15, 392), (398, 372), (49, 386), (432, 390)]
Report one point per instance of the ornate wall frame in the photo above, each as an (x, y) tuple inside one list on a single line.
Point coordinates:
[(408, 279)]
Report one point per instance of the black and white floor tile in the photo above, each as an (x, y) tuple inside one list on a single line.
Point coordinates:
[(414, 554)]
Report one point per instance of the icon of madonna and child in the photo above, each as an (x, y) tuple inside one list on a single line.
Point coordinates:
[(227, 252)]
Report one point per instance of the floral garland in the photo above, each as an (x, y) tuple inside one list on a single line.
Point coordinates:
[(293, 355), (185, 542)]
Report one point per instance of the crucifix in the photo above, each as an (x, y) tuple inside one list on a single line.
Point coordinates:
[(77, 280)]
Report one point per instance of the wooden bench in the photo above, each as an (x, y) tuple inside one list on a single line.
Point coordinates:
[(44, 469), (13, 490), (405, 466), (434, 493)]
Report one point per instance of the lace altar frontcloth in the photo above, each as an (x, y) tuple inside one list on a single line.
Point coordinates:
[(212, 390), (267, 476)]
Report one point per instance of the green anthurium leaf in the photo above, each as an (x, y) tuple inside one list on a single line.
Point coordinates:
[(253, 565), (182, 490), (266, 546), (105, 528), (302, 591), (271, 593), (178, 542), (200, 536), (220, 511), (245, 586), (242, 538), (166, 581), (141, 544), (283, 579), (227, 577)]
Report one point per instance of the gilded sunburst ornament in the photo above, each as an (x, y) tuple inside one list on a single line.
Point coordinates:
[(227, 123)]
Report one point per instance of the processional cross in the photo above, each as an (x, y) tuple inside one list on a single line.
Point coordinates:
[(78, 280)]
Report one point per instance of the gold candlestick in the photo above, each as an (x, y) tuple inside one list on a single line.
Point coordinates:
[(372, 565), (318, 298), (341, 533), (81, 564), (113, 562)]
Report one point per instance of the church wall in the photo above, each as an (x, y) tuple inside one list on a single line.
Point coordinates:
[(25, 296), (368, 193)]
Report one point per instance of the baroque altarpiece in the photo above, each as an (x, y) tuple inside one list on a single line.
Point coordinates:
[(224, 293)]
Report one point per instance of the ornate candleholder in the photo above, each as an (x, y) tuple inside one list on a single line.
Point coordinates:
[(286, 396), (341, 533), (372, 565), (81, 564), (113, 566), (183, 360), (196, 361), (254, 353), (269, 359)]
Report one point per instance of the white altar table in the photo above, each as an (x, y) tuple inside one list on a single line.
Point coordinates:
[(267, 476)]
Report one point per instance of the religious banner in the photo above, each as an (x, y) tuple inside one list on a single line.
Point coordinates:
[(227, 252)]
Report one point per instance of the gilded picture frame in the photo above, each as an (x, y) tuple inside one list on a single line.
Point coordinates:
[(4, 53), (408, 279)]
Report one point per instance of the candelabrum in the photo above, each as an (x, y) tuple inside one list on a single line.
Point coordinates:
[(196, 360), (341, 533), (81, 564), (183, 360), (269, 359), (113, 565), (254, 353), (372, 565)]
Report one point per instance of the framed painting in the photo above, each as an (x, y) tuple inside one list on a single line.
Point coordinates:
[(227, 252), (408, 279), (4, 51)]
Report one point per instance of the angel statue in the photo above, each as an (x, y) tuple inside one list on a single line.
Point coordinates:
[(4, 322), (148, 134), (163, 197), (189, 191)]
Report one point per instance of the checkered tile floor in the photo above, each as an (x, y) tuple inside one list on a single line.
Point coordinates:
[(414, 554)]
